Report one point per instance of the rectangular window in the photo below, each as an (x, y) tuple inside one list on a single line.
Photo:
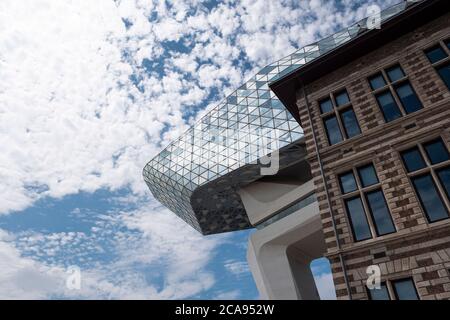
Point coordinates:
[(413, 159), (338, 117), (388, 106), (444, 72), (326, 105), (399, 98), (405, 289), (444, 178), (367, 175), (358, 219), (408, 97), (348, 182), (350, 123), (342, 98), (436, 151), (428, 166), (429, 197), (333, 131), (380, 212), (377, 81), (436, 54), (439, 58), (369, 207), (395, 73), (379, 294)]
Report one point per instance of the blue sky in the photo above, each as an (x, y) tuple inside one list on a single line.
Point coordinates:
[(92, 90)]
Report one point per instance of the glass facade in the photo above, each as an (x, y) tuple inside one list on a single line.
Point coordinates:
[(191, 175)]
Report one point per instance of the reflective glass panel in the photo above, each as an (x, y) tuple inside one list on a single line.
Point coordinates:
[(413, 159), (436, 151), (348, 182), (350, 123), (342, 98), (444, 72), (388, 106), (408, 97), (436, 54), (379, 294), (380, 212), (429, 197), (333, 131), (326, 105), (405, 289), (367, 175), (377, 81), (358, 219), (395, 73), (444, 178)]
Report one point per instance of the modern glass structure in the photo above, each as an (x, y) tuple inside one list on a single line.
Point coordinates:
[(197, 175)]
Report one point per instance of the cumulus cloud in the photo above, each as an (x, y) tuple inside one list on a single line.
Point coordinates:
[(91, 90), (143, 242), (237, 267), (80, 109)]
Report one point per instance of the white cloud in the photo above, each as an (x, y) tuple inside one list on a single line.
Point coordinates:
[(73, 119), (140, 239), (79, 112), (24, 278), (237, 267), (229, 295)]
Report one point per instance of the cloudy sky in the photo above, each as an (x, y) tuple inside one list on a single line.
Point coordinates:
[(92, 90)]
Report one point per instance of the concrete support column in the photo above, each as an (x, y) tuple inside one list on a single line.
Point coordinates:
[(279, 255)]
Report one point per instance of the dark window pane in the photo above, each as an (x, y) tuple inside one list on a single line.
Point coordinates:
[(388, 106), (379, 294), (380, 212), (435, 54), (405, 289), (326, 105), (444, 72), (377, 81), (342, 98), (395, 73), (358, 219), (447, 43), (350, 123), (408, 97), (348, 182), (413, 159), (429, 197), (367, 175), (333, 131), (436, 151), (444, 177)]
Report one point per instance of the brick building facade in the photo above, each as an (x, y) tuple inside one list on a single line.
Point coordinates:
[(418, 247)]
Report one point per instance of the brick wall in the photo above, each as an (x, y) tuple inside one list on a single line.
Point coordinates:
[(418, 249)]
